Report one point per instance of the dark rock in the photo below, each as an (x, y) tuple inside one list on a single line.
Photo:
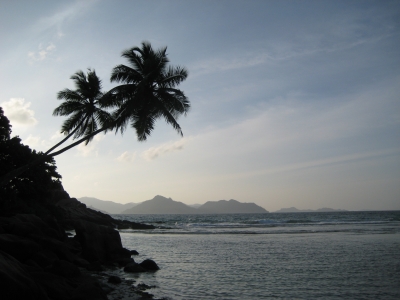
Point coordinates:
[(114, 279), (26, 224), (100, 243), (134, 252), (150, 265), (61, 249), (74, 210), (65, 269), (80, 262), (44, 258), (134, 268), (126, 261), (18, 247), (56, 286), (16, 282), (124, 225), (88, 289), (95, 266)]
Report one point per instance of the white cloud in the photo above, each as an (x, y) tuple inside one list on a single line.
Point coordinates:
[(36, 142), (155, 152), (91, 148), (56, 136), (127, 157), (32, 141), (18, 112), (42, 53)]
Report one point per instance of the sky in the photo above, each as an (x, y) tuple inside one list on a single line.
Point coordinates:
[(293, 103)]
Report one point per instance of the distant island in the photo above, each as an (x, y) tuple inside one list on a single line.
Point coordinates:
[(163, 205), (294, 210), (104, 206)]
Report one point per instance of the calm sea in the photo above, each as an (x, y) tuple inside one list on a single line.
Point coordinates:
[(345, 255)]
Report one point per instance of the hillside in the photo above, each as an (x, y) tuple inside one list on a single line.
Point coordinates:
[(230, 207), (161, 205), (109, 207)]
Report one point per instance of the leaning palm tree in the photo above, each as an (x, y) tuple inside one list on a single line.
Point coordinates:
[(148, 91), (83, 108), (86, 115)]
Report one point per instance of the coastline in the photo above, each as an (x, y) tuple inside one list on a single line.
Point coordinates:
[(41, 259)]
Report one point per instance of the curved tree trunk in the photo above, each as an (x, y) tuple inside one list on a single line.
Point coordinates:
[(67, 137)]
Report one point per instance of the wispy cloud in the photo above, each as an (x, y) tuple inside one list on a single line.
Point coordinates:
[(42, 53), (18, 112), (335, 35), (155, 152), (127, 157), (57, 19)]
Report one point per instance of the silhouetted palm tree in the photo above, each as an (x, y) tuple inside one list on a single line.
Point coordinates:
[(85, 117), (148, 91), (83, 107)]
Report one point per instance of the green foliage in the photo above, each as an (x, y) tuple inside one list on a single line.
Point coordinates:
[(35, 183)]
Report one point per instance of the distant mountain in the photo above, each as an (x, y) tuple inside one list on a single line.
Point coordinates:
[(230, 207), (294, 210), (161, 205), (108, 207), (195, 205), (96, 209)]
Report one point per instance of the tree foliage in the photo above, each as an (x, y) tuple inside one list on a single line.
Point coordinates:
[(148, 92), (35, 183)]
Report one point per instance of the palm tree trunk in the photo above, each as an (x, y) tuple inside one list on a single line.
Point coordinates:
[(5, 179), (66, 138)]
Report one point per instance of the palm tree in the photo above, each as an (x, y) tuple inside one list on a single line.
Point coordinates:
[(148, 91), (86, 116), (83, 107)]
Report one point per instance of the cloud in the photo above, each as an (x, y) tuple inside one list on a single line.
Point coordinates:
[(127, 157), (57, 136), (155, 152), (42, 53), (334, 35), (91, 148), (36, 142), (54, 22), (32, 141), (18, 112)]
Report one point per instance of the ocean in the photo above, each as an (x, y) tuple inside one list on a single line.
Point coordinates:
[(324, 255)]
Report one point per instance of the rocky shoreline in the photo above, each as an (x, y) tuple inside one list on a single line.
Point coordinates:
[(39, 260)]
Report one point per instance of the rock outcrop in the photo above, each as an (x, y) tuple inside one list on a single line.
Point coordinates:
[(38, 260)]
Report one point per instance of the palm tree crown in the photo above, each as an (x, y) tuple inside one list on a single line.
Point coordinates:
[(148, 91), (83, 106)]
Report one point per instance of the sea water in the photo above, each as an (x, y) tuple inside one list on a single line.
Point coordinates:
[(335, 255)]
